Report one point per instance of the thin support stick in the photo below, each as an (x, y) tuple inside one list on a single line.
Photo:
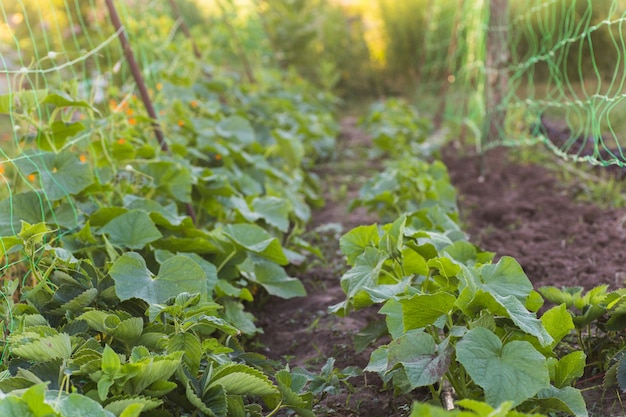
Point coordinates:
[(143, 91), (185, 28), (134, 68), (247, 67)]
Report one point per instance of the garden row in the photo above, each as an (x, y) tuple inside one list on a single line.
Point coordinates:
[(457, 323), (127, 264)]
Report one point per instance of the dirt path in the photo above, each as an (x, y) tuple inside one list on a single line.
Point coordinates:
[(300, 331)]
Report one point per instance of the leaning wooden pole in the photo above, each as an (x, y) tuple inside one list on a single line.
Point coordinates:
[(134, 69), (141, 85), (185, 28)]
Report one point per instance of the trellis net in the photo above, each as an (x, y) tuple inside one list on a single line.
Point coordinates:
[(564, 73), (71, 113)]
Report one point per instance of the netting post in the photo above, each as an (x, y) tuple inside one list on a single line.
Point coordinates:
[(496, 63), (247, 67), (141, 85)]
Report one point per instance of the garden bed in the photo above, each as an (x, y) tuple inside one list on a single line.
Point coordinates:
[(514, 209)]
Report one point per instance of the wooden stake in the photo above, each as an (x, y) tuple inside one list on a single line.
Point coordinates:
[(143, 91)]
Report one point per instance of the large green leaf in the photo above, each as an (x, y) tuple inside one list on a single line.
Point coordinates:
[(354, 242), (177, 274), (558, 323), (568, 368), (274, 210), (238, 128), (134, 230), (416, 352), (272, 277), (422, 310), (256, 240), (506, 278), (29, 207), (365, 272), (61, 174), (486, 289), (45, 348), (513, 372), (59, 131), (11, 406)]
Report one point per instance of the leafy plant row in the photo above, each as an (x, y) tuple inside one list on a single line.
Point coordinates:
[(127, 267), (459, 324)]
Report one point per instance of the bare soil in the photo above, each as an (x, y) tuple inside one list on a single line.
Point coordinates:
[(509, 208)]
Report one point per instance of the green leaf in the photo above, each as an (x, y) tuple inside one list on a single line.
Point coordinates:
[(157, 211), (354, 242), (33, 233), (61, 99), (568, 368), (290, 397), (239, 379), (507, 278), (78, 303), (119, 406), (29, 207), (234, 313), (34, 397), (171, 178), (75, 405), (365, 272), (568, 400), (177, 274), (274, 210), (236, 127), (393, 238), (513, 372), (132, 410), (133, 230), (416, 352), (190, 345), (45, 348), (558, 323), (427, 410), (11, 406), (394, 317), (272, 277), (153, 369), (60, 175), (213, 403), (256, 240), (28, 100), (60, 131), (110, 361), (422, 310)]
